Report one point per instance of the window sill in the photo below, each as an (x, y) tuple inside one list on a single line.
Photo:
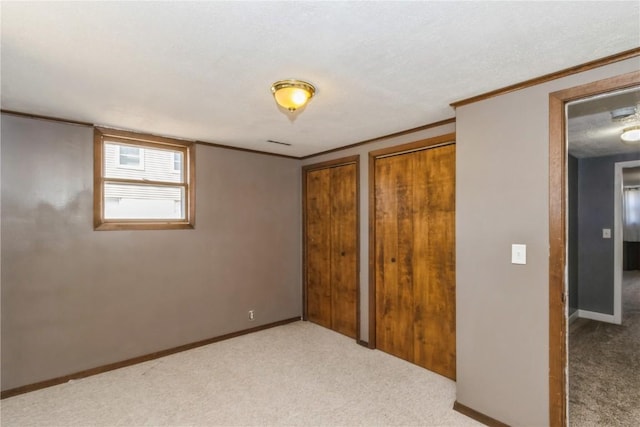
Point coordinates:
[(142, 225)]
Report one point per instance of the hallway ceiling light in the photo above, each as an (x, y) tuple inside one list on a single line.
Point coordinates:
[(292, 94), (631, 135)]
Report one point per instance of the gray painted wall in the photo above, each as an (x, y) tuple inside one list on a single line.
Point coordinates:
[(74, 298), (573, 241), (595, 212), (502, 198)]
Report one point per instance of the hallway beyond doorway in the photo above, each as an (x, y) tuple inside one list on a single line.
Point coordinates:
[(604, 362)]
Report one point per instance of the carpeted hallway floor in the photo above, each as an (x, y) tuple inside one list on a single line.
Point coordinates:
[(604, 366), (298, 374)]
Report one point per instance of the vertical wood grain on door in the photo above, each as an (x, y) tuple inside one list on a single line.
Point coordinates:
[(343, 249), (394, 301), (415, 257), (331, 247), (318, 262)]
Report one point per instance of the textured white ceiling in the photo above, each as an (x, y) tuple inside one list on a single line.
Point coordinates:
[(202, 70), (591, 132)]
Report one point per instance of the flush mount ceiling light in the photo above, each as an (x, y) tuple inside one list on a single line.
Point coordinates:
[(292, 94), (631, 135)]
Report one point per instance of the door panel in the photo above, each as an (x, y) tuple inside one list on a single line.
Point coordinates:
[(422, 239), (394, 330), (343, 249), (318, 254), (435, 262)]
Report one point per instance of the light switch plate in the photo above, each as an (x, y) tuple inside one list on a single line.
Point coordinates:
[(606, 233), (518, 254)]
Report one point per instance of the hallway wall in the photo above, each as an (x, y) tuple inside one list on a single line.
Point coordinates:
[(596, 211)]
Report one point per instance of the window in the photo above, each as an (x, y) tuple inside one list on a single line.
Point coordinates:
[(631, 214), (176, 162), (130, 157), (142, 182)]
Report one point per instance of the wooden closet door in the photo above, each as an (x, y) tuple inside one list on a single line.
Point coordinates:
[(331, 248), (393, 246), (318, 246), (415, 257), (434, 260), (343, 249)]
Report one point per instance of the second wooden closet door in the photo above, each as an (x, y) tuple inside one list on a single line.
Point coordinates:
[(415, 257), (331, 247)]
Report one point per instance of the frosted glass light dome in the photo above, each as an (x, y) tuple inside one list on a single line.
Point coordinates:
[(292, 94), (631, 135)]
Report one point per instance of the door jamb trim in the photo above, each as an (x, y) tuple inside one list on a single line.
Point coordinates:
[(558, 405)]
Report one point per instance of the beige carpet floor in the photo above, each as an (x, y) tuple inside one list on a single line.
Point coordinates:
[(604, 366), (298, 374)]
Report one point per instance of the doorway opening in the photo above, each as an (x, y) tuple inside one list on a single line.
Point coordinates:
[(599, 348), (558, 234), (627, 233)]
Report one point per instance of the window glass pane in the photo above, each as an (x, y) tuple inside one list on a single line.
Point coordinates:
[(153, 164), (127, 201), (177, 162), (130, 156)]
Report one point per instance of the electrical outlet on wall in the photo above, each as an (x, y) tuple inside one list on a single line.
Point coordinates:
[(252, 315)]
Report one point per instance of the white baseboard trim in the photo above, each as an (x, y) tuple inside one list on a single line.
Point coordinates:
[(574, 316), (600, 317)]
